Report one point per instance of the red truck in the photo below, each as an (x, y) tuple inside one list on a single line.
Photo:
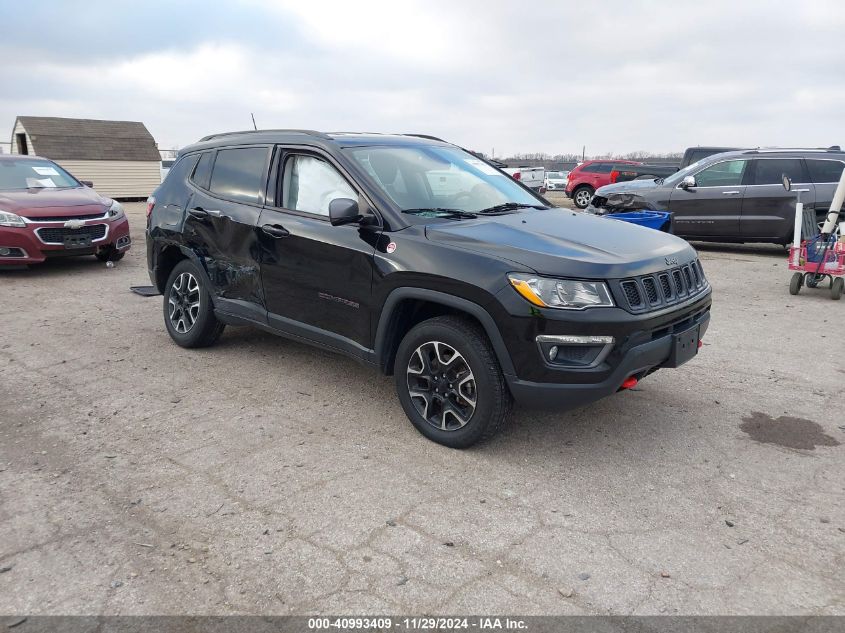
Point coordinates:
[(589, 176)]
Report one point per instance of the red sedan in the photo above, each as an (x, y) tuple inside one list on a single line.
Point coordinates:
[(46, 212)]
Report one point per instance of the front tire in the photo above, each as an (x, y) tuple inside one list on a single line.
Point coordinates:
[(795, 283), (188, 311), (836, 287), (449, 382), (582, 196)]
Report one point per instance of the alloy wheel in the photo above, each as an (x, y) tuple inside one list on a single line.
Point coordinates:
[(582, 198), (184, 302), (441, 386)]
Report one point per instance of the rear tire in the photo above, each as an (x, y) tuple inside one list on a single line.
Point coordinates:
[(449, 382), (188, 311), (836, 288), (582, 196), (795, 283)]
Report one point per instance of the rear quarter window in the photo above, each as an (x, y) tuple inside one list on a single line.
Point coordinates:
[(172, 188), (825, 170), (202, 173)]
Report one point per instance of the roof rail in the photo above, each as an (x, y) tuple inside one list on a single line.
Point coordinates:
[(292, 131), (428, 136), (767, 150)]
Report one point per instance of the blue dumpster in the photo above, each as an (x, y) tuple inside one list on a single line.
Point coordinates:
[(659, 220)]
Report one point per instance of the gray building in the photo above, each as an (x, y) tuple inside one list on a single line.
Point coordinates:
[(119, 157)]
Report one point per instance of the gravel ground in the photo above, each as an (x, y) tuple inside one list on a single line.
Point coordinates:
[(264, 476)]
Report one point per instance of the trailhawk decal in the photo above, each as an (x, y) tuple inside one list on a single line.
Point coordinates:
[(346, 302)]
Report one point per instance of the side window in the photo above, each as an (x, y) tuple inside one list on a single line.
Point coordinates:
[(769, 171), (604, 168), (825, 170), (172, 189), (310, 184), (728, 173), (202, 173), (238, 174), (591, 168)]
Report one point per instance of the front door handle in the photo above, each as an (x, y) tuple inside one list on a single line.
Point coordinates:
[(275, 230), (730, 193)]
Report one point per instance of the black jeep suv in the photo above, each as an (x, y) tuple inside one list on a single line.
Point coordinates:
[(424, 261)]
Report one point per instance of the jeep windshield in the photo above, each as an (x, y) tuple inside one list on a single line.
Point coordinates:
[(442, 181), (27, 173)]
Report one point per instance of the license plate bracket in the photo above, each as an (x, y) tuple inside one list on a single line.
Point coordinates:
[(83, 240), (684, 347)]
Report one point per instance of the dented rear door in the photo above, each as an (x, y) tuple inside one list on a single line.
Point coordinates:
[(221, 228)]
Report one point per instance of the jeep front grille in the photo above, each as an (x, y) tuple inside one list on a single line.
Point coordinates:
[(653, 292), (632, 293)]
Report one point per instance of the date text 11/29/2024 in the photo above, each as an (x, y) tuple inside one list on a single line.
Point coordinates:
[(416, 624)]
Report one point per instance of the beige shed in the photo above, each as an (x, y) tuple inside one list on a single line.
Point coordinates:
[(119, 157)]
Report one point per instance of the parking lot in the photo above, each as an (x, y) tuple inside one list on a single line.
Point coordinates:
[(264, 476)]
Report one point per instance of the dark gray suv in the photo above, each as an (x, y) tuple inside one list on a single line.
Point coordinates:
[(734, 196)]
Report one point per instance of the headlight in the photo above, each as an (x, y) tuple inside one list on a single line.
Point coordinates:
[(115, 210), (10, 219), (568, 294)]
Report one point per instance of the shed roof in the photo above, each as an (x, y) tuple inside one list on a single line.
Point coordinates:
[(88, 139)]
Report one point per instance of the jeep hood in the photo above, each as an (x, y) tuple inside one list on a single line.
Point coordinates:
[(561, 242)]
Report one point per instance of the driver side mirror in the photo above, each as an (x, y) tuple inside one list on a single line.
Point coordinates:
[(343, 211), (87, 183), (688, 182)]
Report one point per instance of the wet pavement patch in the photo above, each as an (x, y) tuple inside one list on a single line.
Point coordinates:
[(786, 431)]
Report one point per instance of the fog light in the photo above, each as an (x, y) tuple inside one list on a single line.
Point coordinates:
[(574, 350)]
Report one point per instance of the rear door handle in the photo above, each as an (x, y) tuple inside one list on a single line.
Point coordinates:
[(730, 193), (201, 214), (275, 230)]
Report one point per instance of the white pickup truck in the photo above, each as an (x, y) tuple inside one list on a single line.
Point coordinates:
[(531, 177)]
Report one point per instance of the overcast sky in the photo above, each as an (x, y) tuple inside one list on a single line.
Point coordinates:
[(616, 76)]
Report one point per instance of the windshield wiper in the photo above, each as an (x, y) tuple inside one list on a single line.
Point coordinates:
[(441, 212), (510, 206)]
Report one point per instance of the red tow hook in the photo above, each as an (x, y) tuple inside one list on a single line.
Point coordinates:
[(700, 343), (629, 383)]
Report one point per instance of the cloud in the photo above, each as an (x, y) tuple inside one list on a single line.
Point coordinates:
[(546, 76)]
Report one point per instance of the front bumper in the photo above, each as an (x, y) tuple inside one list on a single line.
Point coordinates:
[(638, 361), (38, 240), (642, 341)]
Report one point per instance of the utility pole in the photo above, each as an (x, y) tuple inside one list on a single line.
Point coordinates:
[(254, 126), (583, 153)]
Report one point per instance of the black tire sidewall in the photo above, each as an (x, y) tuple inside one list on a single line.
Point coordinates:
[(198, 335), (795, 283), (485, 381), (836, 288)]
